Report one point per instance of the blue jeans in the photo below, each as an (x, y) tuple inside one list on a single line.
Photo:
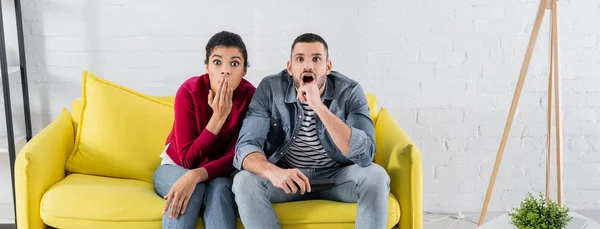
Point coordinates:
[(369, 186), (212, 198)]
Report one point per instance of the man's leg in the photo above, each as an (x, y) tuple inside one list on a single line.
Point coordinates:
[(164, 178), (254, 195), (369, 186), (219, 210)]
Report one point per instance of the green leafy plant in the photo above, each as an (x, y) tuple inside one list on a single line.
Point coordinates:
[(537, 213)]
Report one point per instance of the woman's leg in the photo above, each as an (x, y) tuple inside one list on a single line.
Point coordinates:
[(219, 206), (164, 178)]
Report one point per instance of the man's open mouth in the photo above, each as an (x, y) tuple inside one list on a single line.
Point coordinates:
[(307, 79)]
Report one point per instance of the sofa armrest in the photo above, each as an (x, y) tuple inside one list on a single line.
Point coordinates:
[(401, 158), (39, 165), (406, 175)]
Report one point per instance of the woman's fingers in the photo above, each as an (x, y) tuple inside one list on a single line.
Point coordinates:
[(185, 203), (211, 96), (230, 94), (224, 93), (169, 198)]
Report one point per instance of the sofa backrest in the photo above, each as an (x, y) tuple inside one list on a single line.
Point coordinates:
[(76, 107), (372, 100)]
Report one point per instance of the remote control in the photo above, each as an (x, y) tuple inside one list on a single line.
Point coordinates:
[(321, 185)]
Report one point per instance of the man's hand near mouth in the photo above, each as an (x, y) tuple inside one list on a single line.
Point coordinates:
[(309, 93)]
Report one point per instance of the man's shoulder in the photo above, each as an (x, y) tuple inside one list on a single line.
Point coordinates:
[(342, 80), (276, 83), (276, 78)]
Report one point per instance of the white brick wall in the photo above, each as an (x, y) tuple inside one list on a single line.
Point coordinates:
[(445, 69)]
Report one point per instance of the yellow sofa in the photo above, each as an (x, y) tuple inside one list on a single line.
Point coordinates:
[(48, 194)]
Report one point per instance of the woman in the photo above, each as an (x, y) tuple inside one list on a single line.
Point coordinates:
[(195, 173)]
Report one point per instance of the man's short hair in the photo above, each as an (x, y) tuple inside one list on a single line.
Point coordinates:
[(310, 38)]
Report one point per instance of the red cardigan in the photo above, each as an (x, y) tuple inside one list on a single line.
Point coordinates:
[(192, 146)]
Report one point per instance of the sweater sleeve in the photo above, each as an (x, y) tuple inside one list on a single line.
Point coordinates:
[(191, 145), (222, 166)]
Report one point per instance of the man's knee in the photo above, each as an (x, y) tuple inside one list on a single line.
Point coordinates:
[(245, 182), (376, 177)]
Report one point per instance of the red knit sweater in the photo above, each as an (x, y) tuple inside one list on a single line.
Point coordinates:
[(192, 146)]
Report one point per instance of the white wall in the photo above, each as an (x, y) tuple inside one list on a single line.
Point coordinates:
[(445, 69), (10, 31), (12, 54)]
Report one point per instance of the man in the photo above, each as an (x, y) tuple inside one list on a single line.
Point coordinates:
[(306, 124)]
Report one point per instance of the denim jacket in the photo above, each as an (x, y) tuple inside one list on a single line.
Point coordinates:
[(274, 118)]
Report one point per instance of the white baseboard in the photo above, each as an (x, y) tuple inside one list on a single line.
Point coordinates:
[(5, 183), (7, 213)]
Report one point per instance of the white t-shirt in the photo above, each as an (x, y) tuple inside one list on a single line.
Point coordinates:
[(166, 160)]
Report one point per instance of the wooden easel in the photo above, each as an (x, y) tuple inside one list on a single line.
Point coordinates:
[(553, 86)]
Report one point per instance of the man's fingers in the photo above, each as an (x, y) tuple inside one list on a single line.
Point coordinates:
[(292, 186), (300, 183), (301, 96), (314, 87), (305, 179), (285, 187)]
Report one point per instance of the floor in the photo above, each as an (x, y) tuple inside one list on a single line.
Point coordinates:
[(467, 223), (442, 221), (474, 217)]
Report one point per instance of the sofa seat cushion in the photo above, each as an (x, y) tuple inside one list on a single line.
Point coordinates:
[(324, 213), (88, 201)]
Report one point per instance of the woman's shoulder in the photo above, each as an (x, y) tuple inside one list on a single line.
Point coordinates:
[(246, 87), (195, 82)]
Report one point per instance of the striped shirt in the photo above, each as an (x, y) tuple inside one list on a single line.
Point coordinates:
[(306, 150)]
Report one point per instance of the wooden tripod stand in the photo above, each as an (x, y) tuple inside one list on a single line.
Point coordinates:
[(553, 81)]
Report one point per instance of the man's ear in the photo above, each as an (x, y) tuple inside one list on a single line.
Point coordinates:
[(289, 67), (329, 66)]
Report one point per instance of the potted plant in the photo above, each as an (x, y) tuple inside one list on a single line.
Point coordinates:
[(539, 213)]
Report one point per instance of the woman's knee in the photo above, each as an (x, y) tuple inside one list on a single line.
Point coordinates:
[(199, 193), (165, 176), (219, 185)]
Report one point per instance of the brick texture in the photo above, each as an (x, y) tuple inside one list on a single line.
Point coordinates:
[(445, 69)]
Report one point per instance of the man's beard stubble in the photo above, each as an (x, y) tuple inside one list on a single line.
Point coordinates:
[(320, 80)]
